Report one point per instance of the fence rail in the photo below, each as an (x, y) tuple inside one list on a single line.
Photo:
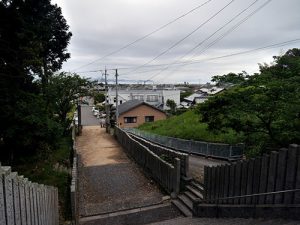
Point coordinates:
[(217, 150), (26, 203), (74, 181), (169, 153), (167, 175), (275, 173)]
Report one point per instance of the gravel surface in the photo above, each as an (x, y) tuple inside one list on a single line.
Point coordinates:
[(108, 180)]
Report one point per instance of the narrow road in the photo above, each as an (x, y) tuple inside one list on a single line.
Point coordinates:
[(108, 179), (87, 117)]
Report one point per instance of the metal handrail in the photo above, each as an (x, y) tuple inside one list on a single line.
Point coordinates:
[(251, 195)]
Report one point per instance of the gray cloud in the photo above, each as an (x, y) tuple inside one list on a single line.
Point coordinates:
[(100, 27)]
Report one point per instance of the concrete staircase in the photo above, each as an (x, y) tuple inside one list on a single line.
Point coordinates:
[(184, 202), (224, 221)]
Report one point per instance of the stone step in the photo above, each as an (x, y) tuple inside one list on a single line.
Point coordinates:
[(190, 195), (138, 216), (194, 191), (198, 186), (182, 208), (224, 221), (185, 200)]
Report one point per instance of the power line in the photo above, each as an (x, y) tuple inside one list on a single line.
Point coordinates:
[(228, 32), (280, 44), (185, 37), (145, 36), (199, 44), (234, 27)]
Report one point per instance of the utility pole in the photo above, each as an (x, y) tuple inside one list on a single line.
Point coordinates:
[(117, 99), (106, 102)]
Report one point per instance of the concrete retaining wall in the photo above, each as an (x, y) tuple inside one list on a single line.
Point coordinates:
[(26, 203), (167, 175)]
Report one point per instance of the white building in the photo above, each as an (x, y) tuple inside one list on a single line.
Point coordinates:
[(155, 97)]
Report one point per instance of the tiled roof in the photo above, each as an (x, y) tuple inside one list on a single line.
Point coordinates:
[(127, 106)]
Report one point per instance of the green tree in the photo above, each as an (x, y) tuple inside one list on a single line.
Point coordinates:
[(265, 108), (230, 78), (64, 90), (98, 98), (33, 41), (172, 105)]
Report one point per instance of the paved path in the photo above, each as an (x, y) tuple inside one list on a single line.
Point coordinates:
[(87, 117), (197, 164), (108, 180)]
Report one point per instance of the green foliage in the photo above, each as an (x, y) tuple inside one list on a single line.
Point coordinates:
[(185, 94), (230, 78), (42, 170), (98, 98), (265, 107), (63, 91), (33, 41), (172, 105), (188, 126)]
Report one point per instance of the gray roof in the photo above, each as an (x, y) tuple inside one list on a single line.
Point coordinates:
[(127, 106)]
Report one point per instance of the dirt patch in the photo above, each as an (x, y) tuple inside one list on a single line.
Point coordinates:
[(108, 179)]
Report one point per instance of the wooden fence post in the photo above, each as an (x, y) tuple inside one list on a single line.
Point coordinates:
[(297, 194), (2, 198), (271, 182), (263, 178), (290, 172), (280, 171), (250, 180), (256, 178), (237, 178), (244, 181)]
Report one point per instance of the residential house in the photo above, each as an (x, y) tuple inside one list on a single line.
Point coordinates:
[(154, 97), (200, 96), (133, 113)]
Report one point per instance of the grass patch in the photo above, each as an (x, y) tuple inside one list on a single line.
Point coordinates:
[(188, 126), (44, 170)]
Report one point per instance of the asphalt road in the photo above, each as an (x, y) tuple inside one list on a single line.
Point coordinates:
[(87, 117)]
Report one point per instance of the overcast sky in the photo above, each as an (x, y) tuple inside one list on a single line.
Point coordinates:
[(101, 27)]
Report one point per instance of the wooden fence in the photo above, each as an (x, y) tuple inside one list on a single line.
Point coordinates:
[(26, 203), (279, 171), (167, 175), (169, 153)]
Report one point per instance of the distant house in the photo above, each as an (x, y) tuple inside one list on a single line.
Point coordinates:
[(154, 97), (135, 112), (200, 96)]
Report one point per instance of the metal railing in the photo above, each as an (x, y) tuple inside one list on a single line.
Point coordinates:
[(217, 150), (220, 200)]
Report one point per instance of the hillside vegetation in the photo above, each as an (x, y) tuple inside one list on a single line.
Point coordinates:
[(188, 126)]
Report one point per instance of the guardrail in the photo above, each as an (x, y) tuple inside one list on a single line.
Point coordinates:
[(217, 150), (166, 174)]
